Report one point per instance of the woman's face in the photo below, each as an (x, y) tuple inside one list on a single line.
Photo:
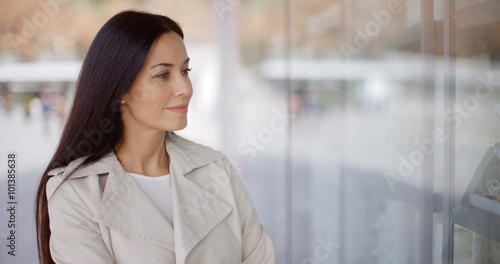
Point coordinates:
[(159, 96)]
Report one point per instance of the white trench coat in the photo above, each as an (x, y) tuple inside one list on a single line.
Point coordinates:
[(100, 214)]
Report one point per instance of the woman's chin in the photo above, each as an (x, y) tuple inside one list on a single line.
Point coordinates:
[(176, 127)]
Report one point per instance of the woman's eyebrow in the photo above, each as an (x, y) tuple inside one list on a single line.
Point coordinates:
[(168, 64)]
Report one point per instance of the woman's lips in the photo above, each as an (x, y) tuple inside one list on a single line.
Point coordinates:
[(183, 108)]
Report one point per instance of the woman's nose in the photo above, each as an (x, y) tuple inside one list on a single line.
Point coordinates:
[(183, 86)]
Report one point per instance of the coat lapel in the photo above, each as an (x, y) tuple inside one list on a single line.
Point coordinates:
[(196, 211), (127, 209)]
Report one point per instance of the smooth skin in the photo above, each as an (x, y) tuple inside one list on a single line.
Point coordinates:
[(162, 83)]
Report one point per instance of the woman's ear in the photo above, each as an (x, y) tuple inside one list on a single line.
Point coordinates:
[(121, 104), (124, 99)]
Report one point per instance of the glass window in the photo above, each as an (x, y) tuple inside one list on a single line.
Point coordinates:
[(475, 119)]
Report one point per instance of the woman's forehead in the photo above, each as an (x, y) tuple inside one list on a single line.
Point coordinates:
[(167, 49)]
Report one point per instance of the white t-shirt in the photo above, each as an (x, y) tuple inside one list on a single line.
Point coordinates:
[(159, 191)]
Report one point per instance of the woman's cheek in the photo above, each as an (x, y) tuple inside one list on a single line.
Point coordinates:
[(138, 95)]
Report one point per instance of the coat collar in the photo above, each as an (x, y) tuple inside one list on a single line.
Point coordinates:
[(196, 211), (185, 156)]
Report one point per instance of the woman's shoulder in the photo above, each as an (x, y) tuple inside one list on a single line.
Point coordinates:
[(57, 175), (68, 176)]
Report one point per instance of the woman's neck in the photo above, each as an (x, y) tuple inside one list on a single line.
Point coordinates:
[(143, 152)]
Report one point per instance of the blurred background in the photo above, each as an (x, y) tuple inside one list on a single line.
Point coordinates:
[(366, 131)]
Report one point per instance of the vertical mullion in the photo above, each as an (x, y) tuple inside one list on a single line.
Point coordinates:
[(341, 137), (427, 172), (449, 147), (288, 143)]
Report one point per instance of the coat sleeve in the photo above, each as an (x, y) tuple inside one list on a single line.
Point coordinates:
[(257, 247), (74, 238)]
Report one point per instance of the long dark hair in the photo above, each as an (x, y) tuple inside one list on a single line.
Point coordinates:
[(94, 124)]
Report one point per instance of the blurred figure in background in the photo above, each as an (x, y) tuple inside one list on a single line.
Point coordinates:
[(7, 100)]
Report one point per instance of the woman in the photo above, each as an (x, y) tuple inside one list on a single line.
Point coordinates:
[(123, 188)]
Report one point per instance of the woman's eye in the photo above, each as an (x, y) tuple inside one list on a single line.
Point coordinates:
[(186, 71), (163, 75)]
